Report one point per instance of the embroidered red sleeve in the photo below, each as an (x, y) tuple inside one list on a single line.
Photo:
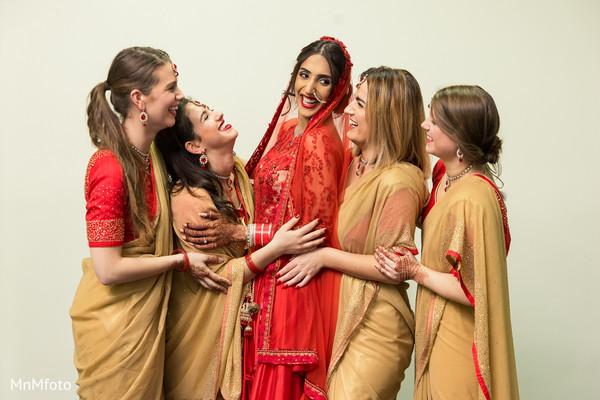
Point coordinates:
[(106, 201)]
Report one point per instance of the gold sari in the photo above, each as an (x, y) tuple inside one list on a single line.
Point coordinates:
[(466, 352), (375, 327), (119, 330), (204, 333)]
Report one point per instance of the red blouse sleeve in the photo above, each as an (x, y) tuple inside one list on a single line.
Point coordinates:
[(106, 201)]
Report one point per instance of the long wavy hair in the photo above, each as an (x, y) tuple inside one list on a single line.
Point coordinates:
[(394, 112), (184, 167), (132, 68)]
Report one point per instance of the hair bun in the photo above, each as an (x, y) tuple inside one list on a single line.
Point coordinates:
[(494, 150)]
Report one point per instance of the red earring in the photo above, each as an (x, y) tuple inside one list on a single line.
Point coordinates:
[(144, 117), (203, 160)]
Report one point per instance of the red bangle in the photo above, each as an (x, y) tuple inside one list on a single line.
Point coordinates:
[(186, 260), (251, 266), (262, 234)]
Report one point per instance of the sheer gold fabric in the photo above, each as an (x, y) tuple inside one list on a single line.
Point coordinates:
[(375, 327), (119, 330), (462, 352), (203, 350)]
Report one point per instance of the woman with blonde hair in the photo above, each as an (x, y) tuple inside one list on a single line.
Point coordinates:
[(464, 347), (385, 192), (120, 306)]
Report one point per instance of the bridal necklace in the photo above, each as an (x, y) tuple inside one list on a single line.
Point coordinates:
[(449, 178)]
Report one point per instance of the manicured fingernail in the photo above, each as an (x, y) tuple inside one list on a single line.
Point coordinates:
[(297, 216), (297, 287)]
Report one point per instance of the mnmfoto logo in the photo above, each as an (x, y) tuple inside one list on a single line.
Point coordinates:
[(41, 384)]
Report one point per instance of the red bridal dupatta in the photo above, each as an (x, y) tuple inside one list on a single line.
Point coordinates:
[(297, 175)]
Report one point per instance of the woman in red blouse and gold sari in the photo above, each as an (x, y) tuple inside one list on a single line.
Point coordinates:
[(120, 306), (297, 171), (464, 347)]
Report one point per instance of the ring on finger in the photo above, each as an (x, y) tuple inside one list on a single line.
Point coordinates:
[(205, 241)]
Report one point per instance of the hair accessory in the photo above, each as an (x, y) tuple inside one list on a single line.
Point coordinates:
[(449, 179), (203, 160), (251, 266), (144, 117), (362, 80), (186, 260), (106, 85), (459, 154), (174, 67), (201, 105)]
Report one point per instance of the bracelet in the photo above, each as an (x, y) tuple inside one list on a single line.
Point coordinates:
[(262, 234), (250, 236), (251, 266), (186, 260)]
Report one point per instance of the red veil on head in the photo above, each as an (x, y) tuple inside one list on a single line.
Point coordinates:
[(312, 189), (330, 116)]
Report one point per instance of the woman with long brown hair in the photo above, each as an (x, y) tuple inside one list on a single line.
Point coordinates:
[(120, 306), (464, 347)]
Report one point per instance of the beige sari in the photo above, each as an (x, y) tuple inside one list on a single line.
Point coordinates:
[(119, 330), (466, 352), (204, 339), (375, 327)]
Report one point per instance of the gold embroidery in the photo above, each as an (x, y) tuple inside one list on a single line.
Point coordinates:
[(108, 230)]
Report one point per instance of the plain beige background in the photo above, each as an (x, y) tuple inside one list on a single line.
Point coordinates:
[(538, 59)]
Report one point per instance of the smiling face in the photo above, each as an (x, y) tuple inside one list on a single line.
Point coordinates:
[(312, 87), (212, 132), (439, 143), (162, 102), (356, 110)]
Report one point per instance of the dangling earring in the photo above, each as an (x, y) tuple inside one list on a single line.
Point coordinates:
[(460, 155), (144, 117), (203, 160)]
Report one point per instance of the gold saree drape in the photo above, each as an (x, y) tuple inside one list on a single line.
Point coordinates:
[(204, 337), (465, 352), (375, 327), (119, 330)]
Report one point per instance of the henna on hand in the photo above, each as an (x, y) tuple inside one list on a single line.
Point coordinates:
[(217, 232)]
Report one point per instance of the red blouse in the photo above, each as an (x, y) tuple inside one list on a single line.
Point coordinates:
[(107, 215)]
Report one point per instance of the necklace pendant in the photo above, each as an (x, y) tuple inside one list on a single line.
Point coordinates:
[(447, 186)]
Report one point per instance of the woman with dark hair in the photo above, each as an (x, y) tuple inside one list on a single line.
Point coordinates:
[(204, 339), (385, 193), (464, 346), (120, 306), (297, 170)]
